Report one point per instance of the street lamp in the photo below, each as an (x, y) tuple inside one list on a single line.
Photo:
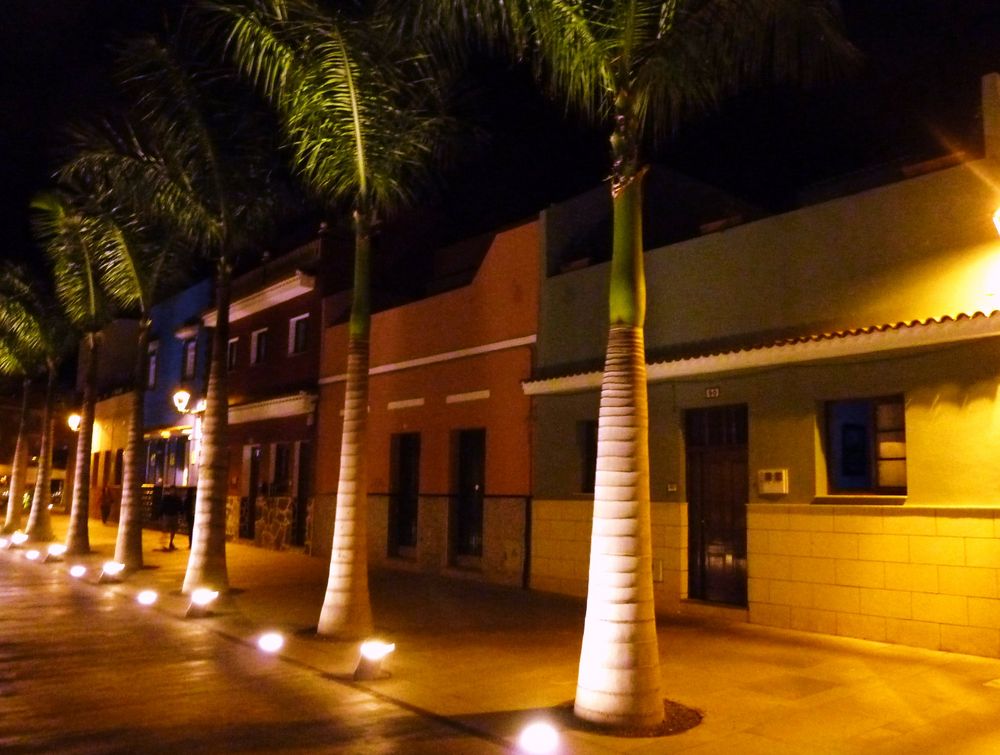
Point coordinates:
[(181, 399), (73, 421)]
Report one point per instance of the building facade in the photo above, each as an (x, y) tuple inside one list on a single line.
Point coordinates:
[(824, 395), (273, 362), (449, 462)]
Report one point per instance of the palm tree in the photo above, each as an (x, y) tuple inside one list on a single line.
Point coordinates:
[(134, 269), (195, 165), (73, 238), (638, 67), (35, 338), (354, 107), (12, 363)]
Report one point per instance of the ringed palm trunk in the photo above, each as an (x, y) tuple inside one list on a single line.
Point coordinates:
[(39, 527), (78, 535), (346, 612), (207, 563), (619, 677), (128, 544), (18, 467)]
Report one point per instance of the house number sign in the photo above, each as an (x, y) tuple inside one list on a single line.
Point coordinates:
[(712, 393)]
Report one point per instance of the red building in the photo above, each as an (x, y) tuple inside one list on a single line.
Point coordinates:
[(449, 449)]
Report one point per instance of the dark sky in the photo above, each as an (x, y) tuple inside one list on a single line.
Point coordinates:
[(916, 96)]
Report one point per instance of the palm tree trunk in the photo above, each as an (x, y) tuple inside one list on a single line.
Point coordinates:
[(128, 544), (78, 535), (18, 467), (619, 677), (207, 563), (39, 527), (346, 612)]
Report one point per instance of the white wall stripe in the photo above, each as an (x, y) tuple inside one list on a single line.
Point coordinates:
[(458, 398), (406, 403), (447, 356)]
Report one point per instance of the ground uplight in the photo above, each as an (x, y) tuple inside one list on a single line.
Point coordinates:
[(147, 597), (32, 555), (201, 600), (271, 642), (538, 738), (77, 571)]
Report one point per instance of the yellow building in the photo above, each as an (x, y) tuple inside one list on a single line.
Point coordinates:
[(824, 391)]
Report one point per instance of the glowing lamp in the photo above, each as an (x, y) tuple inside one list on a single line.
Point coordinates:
[(77, 571), (271, 642), (372, 654), (73, 421), (538, 738), (32, 555), (18, 538), (201, 601), (4, 542), (146, 597), (181, 399), (55, 552), (996, 219), (111, 571)]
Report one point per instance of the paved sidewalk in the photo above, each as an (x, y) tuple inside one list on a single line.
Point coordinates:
[(489, 659)]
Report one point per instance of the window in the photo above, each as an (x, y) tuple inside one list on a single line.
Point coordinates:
[(258, 346), (586, 438), (119, 465), (190, 355), (107, 468), (297, 330), (95, 466), (151, 365), (866, 446), (231, 353), (282, 477)]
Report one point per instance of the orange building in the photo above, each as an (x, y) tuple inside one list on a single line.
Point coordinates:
[(449, 454)]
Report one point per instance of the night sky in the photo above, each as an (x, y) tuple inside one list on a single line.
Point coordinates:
[(915, 97)]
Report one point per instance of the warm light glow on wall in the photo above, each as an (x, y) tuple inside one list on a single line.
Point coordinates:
[(996, 219)]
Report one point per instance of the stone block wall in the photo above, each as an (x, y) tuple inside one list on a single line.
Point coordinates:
[(560, 550), (921, 576), (275, 519)]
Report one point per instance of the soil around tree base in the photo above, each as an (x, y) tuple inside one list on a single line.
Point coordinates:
[(677, 719)]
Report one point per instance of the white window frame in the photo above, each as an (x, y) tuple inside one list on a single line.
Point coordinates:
[(189, 358), (255, 336), (292, 322), (232, 353), (152, 350)]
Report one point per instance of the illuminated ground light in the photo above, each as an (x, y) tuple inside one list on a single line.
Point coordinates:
[(55, 552), (4, 542), (147, 597), (538, 738), (271, 642), (373, 652), (201, 601), (33, 555), (77, 571), (111, 571), (18, 538)]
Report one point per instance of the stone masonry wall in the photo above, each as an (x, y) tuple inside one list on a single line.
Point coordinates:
[(921, 576)]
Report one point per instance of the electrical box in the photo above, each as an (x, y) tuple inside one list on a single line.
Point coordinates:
[(772, 481)]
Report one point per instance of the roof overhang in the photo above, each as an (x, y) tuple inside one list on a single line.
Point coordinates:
[(287, 288), (841, 344), (293, 405)]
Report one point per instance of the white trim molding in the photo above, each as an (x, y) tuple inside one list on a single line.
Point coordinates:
[(296, 284), (840, 344), (459, 398), (447, 356), (406, 403), (293, 405)]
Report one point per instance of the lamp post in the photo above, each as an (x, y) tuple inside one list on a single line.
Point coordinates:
[(73, 421)]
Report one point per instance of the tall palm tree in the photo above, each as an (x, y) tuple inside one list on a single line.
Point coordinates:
[(13, 363), (638, 67), (73, 238), (197, 165), (134, 268), (356, 110), (36, 335)]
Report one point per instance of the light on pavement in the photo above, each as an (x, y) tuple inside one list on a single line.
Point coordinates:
[(538, 738), (373, 652), (147, 597), (271, 642), (77, 571)]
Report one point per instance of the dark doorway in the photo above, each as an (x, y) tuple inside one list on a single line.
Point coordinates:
[(404, 494), (718, 491), (303, 493), (470, 475), (248, 511)]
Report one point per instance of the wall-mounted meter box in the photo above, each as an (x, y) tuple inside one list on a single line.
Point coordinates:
[(772, 481)]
